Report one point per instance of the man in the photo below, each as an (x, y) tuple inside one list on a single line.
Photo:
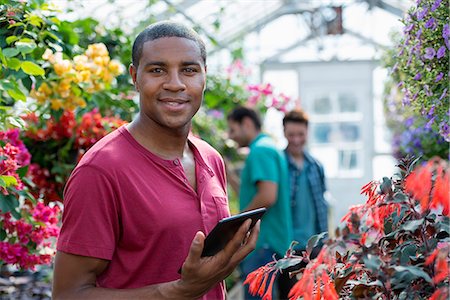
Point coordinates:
[(309, 207), (139, 202), (264, 183)]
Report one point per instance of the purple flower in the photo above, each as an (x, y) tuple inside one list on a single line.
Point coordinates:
[(439, 77), (419, 33), (431, 111), (408, 28), (431, 24), (429, 123), (445, 31), (418, 76), (429, 53), (444, 93), (444, 130), (409, 122), (400, 84), (441, 52), (436, 5), (421, 14)]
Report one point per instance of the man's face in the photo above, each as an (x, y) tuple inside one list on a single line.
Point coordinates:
[(171, 80), (296, 135), (238, 133)]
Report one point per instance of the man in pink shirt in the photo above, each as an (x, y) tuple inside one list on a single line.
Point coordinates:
[(138, 205)]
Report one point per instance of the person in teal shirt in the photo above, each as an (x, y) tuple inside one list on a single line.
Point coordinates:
[(264, 183)]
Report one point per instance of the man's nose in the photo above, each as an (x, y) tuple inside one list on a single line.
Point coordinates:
[(174, 82)]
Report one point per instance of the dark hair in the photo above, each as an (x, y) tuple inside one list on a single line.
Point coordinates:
[(241, 112), (165, 29), (297, 116)]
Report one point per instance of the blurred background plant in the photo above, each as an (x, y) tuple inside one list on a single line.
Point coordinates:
[(416, 95)]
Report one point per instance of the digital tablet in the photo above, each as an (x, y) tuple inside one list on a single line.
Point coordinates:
[(224, 231)]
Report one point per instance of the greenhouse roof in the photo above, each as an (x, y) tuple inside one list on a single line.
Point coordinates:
[(268, 30)]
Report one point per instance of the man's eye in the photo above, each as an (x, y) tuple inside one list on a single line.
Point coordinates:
[(190, 70), (156, 70)]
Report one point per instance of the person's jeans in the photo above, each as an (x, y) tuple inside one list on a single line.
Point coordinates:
[(256, 259)]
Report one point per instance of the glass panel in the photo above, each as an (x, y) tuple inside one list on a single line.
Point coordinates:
[(348, 159), (348, 103), (322, 105), (322, 133), (349, 132)]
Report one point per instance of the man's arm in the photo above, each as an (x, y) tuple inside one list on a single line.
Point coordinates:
[(75, 276), (266, 196)]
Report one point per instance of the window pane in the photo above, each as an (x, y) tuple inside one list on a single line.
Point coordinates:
[(348, 159), (348, 103), (322, 133), (349, 132), (322, 105)]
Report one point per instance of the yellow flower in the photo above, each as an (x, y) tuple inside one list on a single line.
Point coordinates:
[(83, 76), (115, 67), (45, 89), (62, 67), (80, 62), (56, 104), (97, 50)]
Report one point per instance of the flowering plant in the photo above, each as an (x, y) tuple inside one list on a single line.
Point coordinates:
[(91, 71), (27, 225), (395, 246), (422, 63), (56, 146)]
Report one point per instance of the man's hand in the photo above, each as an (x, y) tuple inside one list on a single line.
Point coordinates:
[(199, 274)]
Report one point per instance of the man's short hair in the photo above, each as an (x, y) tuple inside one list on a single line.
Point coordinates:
[(165, 29), (296, 116), (239, 113)]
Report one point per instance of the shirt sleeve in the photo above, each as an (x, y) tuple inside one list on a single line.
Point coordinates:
[(263, 165), (90, 223)]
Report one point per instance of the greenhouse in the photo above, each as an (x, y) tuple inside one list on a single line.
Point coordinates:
[(135, 133)]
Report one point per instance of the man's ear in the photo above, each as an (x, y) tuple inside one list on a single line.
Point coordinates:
[(133, 73)]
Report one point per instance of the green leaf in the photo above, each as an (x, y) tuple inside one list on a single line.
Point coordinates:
[(372, 262), (26, 47), (22, 171), (2, 57), (407, 252), (315, 241), (11, 39), (412, 225), (2, 234), (413, 270), (14, 63), (7, 181), (386, 186), (16, 94), (285, 263), (10, 52), (31, 68), (8, 203)]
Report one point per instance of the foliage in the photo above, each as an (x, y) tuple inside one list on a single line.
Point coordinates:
[(418, 89), (27, 225), (395, 246), (57, 146), (64, 93)]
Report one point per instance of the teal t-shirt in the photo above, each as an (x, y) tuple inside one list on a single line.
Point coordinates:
[(267, 163)]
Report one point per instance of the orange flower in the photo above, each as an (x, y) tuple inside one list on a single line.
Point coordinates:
[(418, 184), (440, 294), (441, 269)]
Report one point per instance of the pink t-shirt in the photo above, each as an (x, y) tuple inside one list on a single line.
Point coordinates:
[(124, 204)]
